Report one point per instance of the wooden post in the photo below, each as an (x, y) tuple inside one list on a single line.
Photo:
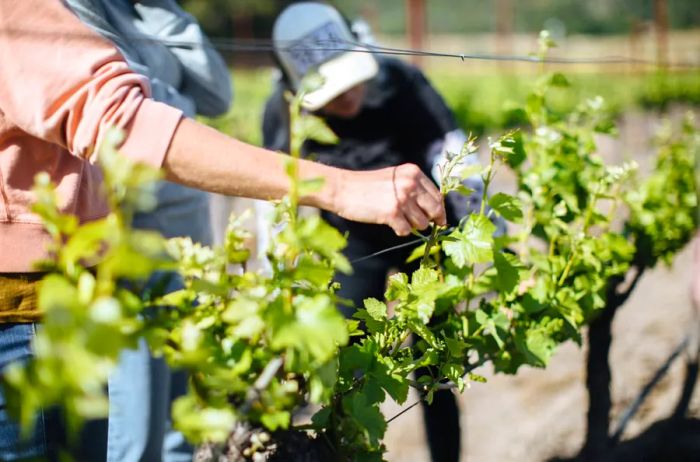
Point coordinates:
[(415, 27), (504, 26), (661, 31), (504, 30), (639, 32)]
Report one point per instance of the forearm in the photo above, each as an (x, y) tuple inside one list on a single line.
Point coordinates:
[(203, 158)]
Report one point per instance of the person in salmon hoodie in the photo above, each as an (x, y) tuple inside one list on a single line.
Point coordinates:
[(62, 88), (160, 40)]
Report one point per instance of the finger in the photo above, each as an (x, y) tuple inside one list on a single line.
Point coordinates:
[(400, 225), (431, 188), (415, 215), (433, 208), (422, 190)]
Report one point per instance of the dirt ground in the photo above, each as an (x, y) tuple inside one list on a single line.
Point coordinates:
[(540, 414)]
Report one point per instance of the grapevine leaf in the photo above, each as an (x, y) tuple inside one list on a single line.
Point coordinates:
[(310, 186), (397, 287), (373, 392), (314, 128), (356, 358), (376, 309), (422, 330), (367, 415), (508, 207), (537, 346), (559, 80), (456, 347), (316, 327), (274, 420), (472, 244), (202, 423), (394, 384), (370, 322), (454, 372), (507, 274), (320, 419)]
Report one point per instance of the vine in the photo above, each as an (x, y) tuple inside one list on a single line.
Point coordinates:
[(260, 346)]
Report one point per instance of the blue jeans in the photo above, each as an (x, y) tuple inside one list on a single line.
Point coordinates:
[(15, 346), (141, 391), (140, 396), (48, 437)]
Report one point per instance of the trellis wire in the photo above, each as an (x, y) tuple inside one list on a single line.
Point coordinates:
[(266, 45), (398, 247)]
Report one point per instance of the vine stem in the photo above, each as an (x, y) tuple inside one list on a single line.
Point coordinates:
[(261, 383), (432, 240), (595, 195)]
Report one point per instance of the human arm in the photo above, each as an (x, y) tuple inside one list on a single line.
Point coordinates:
[(400, 197)]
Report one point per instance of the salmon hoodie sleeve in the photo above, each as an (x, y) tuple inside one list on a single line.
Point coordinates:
[(63, 83)]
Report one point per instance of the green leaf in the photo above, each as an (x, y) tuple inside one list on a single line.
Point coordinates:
[(454, 372), (320, 419), (356, 357), (373, 392), (311, 269), (507, 276), (202, 423), (559, 80), (310, 127), (397, 288), (515, 142), (456, 347), (372, 325), (508, 207), (367, 415), (472, 244), (422, 330), (476, 377), (310, 186), (316, 327), (394, 384), (318, 236), (276, 420), (424, 280), (57, 293), (376, 309), (537, 345), (468, 171)]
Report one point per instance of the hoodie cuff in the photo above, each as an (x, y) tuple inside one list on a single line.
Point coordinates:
[(150, 133)]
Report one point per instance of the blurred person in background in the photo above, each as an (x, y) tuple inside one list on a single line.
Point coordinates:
[(162, 42), (384, 113), (62, 88)]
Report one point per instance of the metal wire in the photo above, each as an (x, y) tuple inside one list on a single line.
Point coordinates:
[(225, 44), (399, 246), (403, 411)]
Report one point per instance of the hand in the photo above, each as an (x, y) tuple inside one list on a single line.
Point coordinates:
[(401, 197)]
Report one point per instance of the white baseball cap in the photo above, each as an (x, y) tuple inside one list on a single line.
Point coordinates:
[(310, 36)]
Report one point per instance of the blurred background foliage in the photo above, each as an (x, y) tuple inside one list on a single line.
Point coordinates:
[(254, 18), (481, 93)]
